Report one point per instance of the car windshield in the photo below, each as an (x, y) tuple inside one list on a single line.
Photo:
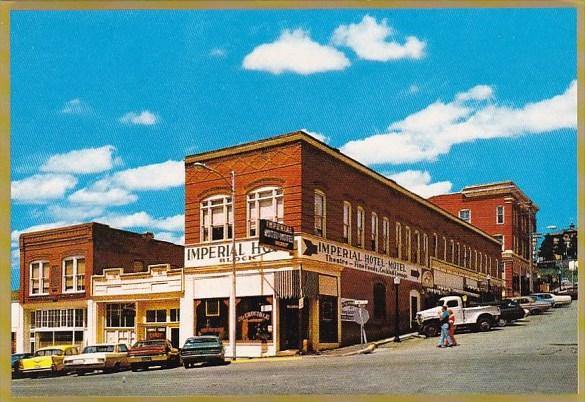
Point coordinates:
[(207, 339), (49, 352), (149, 343), (98, 349)]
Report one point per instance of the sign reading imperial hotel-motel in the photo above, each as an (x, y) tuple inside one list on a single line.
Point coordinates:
[(354, 232)]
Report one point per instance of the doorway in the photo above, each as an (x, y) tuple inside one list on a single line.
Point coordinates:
[(289, 324), (175, 337)]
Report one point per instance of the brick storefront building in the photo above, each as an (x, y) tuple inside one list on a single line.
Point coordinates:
[(355, 230), (56, 267), (504, 211)]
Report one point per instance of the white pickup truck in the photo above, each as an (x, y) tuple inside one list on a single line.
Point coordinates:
[(482, 318)]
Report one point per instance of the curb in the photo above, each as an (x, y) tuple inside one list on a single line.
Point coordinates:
[(263, 359), (371, 347)]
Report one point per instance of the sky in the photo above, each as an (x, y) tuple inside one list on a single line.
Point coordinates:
[(105, 105)]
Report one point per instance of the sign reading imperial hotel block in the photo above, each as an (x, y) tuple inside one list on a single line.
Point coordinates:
[(356, 258), (221, 253)]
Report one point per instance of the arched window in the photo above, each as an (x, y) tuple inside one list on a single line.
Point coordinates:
[(379, 301), (385, 236), (374, 237), (398, 240), (216, 218), (408, 244), (361, 224), (264, 203)]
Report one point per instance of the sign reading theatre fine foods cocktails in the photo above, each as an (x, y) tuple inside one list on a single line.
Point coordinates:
[(356, 258)]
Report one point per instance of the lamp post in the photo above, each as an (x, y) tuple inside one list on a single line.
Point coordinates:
[(396, 310), (489, 278), (232, 303)]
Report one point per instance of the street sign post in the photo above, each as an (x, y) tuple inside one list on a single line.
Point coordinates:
[(276, 235)]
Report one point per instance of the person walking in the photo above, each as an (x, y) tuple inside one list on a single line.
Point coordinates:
[(452, 328), (444, 322)]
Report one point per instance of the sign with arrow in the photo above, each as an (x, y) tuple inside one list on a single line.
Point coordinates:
[(356, 258)]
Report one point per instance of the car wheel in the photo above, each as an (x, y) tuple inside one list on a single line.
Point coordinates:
[(484, 324), (134, 367), (187, 365), (431, 330), (502, 322)]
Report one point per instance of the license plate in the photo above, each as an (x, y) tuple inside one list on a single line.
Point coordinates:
[(145, 359)]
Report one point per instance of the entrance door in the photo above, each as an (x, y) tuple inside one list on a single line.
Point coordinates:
[(289, 324), (413, 308), (175, 337)]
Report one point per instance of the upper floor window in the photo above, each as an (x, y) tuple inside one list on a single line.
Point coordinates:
[(425, 250), (464, 255), (480, 261), (385, 236), (499, 214), (500, 238), (444, 248), (360, 221), (398, 240), (156, 315), (465, 214), (74, 274), (374, 235), (452, 246), (320, 213), (408, 244), (39, 278), (475, 260), (458, 253), (435, 245), (264, 203), (416, 247), (347, 222), (216, 218)]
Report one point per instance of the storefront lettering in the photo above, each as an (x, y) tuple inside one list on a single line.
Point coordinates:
[(254, 315)]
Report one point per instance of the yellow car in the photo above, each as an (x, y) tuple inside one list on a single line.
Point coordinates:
[(47, 360)]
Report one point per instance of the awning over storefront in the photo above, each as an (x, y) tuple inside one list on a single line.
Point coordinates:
[(287, 284)]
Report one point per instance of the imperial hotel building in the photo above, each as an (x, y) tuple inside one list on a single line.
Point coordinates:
[(355, 230)]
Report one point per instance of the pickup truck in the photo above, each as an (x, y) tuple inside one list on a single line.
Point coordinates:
[(482, 318)]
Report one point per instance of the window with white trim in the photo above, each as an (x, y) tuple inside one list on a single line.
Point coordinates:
[(39, 278), (320, 213), (435, 245), (464, 255), (408, 244), (475, 259), (444, 248), (216, 218), (385, 236), (480, 261), (347, 222), (374, 234), (416, 247), (398, 240), (452, 246), (458, 253), (425, 249), (264, 203), (361, 230), (73, 274), (499, 214), (465, 214)]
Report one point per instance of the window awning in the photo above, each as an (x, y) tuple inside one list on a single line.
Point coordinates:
[(287, 284)]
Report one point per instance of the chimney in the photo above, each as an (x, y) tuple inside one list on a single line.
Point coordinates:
[(148, 235)]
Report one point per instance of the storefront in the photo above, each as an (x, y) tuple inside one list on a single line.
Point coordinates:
[(137, 306)]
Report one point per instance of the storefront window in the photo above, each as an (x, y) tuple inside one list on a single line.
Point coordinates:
[(327, 319), (120, 315), (254, 319), (211, 317), (175, 315)]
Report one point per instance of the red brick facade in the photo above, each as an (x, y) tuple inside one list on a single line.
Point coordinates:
[(301, 165), (100, 246), (516, 228)]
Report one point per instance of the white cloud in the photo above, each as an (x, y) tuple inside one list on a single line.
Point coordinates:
[(15, 234), (432, 131), (75, 106), (419, 182), (42, 187), (83, 161), (144, 220), (109, 197), (144, 118), (176, 238), (319, 136), (75, 213), (368, 41), (218, 52), (158, 176), (295, 51)]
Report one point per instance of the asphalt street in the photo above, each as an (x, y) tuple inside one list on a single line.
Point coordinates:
[(535, 355)]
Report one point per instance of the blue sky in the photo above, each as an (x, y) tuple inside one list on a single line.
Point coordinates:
[(105, 105)]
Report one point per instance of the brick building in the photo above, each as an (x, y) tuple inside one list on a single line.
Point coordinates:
[(56, 267), (355, 231), (504, 211)]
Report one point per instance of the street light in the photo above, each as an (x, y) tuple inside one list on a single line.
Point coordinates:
[(232, 309), (489, 278), (396, 283)]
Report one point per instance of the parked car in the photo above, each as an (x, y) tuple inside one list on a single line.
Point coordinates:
[(206, 348), (15, 362), (531, 304), (510, 312), (559, 300), (482, 318), (571, 291), (106, 357), (545, 297), (159, 352), (47, 360)]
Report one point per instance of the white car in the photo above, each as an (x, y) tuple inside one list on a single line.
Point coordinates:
[(105, 357), (556, 300)]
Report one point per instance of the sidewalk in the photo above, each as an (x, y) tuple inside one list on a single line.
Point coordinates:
[(363, 348)]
